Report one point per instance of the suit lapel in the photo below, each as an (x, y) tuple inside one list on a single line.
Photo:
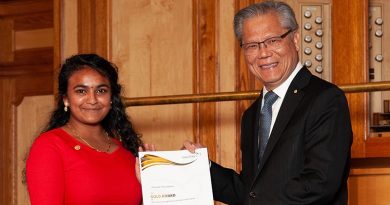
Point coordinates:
[(255, 142), (291, 100)]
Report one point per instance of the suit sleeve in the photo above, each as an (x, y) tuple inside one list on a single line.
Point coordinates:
[(45, 174), (328, 138), (227, 185)]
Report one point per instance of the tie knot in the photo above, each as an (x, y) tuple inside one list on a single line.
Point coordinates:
[(270, 98)]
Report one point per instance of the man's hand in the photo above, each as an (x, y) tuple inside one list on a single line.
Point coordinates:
[(190, 146)]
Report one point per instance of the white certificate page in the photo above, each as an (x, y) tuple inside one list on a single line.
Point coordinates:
[(176, 177)]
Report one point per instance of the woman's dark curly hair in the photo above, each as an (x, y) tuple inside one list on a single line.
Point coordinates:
[(116, 123)]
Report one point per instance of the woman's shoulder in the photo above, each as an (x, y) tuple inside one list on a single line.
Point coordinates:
[(55, 137), (56, 133)]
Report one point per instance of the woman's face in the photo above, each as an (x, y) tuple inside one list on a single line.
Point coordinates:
[(88, 97)]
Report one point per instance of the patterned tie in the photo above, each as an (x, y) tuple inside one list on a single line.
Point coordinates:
[(265, 121)]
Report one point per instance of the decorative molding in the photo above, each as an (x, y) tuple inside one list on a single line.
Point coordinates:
[(23, 70), (22, 7)]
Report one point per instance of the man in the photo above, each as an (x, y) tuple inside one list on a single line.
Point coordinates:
[(303, 156)]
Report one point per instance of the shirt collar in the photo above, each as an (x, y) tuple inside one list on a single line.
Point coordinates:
[(281, 90)]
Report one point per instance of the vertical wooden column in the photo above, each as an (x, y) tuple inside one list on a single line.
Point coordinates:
[(6, 141), (57, 13), (205, 63), (94, 27), (350, 64), (244, 80)]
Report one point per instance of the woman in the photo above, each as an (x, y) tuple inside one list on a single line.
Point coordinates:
[(86, 155)]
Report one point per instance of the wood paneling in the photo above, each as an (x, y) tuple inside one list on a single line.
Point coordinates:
[(57, 13), (32, 115), (204, 69), (69, 28), (226, 137), (6, 55), (93, 27), (37, 38), (7, 152), (34, 21), (244, 81), (377, 147), (13, 90), (20, 70), (152, 46), (34, 56), (26, 67), (350, 62), (22, 7), (369, 181)]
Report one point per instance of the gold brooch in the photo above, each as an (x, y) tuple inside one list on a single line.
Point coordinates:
[(77, 147)]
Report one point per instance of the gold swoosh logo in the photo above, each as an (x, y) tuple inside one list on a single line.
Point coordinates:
[(149, 160)]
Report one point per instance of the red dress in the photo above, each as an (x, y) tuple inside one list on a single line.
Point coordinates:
[(59, 173)]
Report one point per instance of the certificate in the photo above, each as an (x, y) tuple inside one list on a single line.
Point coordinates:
[(176, 177)]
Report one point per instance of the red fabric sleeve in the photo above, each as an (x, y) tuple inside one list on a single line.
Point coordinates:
[(45, 173)]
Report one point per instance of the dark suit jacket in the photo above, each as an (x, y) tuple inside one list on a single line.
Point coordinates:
[(307, 158)]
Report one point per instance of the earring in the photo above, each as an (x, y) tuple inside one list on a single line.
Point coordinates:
[(66, 108)]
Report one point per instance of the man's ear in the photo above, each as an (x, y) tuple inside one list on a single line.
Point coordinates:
[(296, 40)]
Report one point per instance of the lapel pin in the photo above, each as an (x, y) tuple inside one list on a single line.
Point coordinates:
[(77, 147), (295, 91)]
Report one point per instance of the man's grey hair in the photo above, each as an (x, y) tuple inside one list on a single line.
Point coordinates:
[(283, 10)]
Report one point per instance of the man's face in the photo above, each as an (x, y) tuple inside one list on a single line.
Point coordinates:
[(272, 66)]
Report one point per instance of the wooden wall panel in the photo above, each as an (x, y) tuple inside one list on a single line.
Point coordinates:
[(204, 69), (6, 26), (226, 137), (350, 62), (13, 90), (370, 187), (152, 46), (244, 81), (369, 182), (32, 115), (93, 27), (21, 7), (7, 151), (68, 29), (26, 67), (36, 38), (33, 21)]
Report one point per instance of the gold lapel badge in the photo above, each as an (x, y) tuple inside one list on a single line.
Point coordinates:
[(77, 147)]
